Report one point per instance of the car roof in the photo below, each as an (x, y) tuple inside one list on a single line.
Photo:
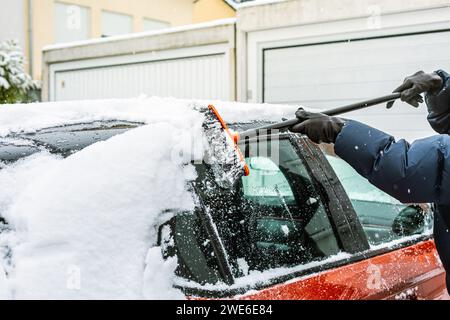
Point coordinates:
[(68, 139), (63, 140), (242, 126)]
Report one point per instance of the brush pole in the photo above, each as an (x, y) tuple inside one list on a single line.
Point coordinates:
[(332, 112)]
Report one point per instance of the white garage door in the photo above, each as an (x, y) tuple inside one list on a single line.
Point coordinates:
[(329, 75), (200, 77)]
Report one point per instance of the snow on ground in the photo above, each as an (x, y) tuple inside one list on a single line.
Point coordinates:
[(84, 227)]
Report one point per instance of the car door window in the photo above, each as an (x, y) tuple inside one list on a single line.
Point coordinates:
[(184, 237), (282, 219), (382, 217)]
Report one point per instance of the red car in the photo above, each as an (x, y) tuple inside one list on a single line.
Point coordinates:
[(302, 225)]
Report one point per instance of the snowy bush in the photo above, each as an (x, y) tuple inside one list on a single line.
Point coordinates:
[(15, 84)]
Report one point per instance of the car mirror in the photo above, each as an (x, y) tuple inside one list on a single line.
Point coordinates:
[(411, 220)]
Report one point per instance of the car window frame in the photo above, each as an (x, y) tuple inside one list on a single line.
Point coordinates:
[(209, 230), (344, 216), (207, 223)]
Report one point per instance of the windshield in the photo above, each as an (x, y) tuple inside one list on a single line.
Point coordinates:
[(278, 218)]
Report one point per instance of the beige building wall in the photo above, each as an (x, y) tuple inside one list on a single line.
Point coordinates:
[(175, 12), (207, 10)]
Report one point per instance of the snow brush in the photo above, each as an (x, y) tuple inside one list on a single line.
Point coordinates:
[(225, 157), (223, 154), (332, 112)]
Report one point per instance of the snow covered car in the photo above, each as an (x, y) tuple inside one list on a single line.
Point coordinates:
[(302, 225)]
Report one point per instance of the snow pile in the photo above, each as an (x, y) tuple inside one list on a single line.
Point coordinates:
[(82, 226), (32, 117), (85, 227), (158, 279)]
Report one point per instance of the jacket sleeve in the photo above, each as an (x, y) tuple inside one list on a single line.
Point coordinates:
[(415, 173), (439, 106)]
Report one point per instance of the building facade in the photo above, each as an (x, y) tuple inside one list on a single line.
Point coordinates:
[(207, 10), (38, 23), (321, 54)]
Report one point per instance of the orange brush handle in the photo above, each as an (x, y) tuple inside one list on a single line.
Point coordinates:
[(234, 137)]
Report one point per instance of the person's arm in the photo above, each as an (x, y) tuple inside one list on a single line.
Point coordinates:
[(439, 106), (415, 173)]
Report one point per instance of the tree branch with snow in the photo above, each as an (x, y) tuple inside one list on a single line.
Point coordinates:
[(15, 83)]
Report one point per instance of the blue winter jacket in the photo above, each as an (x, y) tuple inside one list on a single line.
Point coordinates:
[(412, 173)]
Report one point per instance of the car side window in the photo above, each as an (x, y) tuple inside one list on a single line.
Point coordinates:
[(283, 221), (267, 184), (382, 217), (184, 237)]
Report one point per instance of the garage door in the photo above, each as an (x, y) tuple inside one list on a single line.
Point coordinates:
[(201, 77), (332, 74)]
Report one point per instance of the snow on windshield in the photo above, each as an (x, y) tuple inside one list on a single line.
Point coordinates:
[(86, 226)]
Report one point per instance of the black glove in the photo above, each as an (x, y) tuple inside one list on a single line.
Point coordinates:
[(417, 84), (318, 126)]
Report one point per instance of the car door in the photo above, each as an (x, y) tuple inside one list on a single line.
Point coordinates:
[(277, 224), (401, 260), (289, 231)]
